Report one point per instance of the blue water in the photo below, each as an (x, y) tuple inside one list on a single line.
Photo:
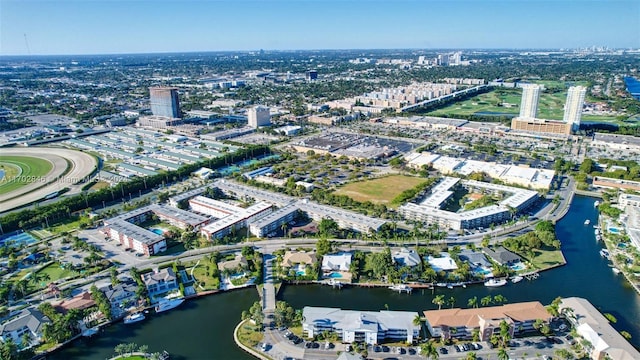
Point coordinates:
[(335, 275), (158, 231), (633, 87), (300, 273), (17, 238), (1, 174), (614, 230), (517, 267)]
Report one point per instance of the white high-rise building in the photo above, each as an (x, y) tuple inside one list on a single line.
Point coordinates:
[(529, 103), (258, 116), (573, 106)]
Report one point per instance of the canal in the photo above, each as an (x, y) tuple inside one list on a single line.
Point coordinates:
[(202, 329)]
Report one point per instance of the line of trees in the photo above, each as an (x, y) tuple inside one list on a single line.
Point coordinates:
[(62, 209)]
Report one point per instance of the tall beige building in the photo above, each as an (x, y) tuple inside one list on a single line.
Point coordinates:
[(573, 106), (529, 103), (258, 116)]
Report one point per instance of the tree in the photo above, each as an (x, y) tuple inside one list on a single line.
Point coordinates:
[(451, 301), (256, 314), (120, 349), (499, 299), (417, 320), (438, 300), (429, 351), (471, 356), (554, 307), (323, 246), (113, 272), (327, 227), (143, 349), (502, 354), (486, 301), (473, 302)]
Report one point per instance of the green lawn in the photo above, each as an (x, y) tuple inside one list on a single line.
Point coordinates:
[(380, 191), (55, 272), (200, 275), (249, 335), (22, 170), (544, 259)]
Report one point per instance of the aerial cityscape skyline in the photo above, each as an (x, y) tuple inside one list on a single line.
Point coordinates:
[(99, 27)]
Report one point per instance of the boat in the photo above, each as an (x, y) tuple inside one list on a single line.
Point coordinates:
[(90, 332), (401, 288), (587, 222), (615, 270), (516, 279), (495, 282), (605, 253), (596, 231), (165, 355), (133, 318), (596, 203), (168, 304)]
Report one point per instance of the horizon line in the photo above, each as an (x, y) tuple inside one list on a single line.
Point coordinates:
[(317, 50)]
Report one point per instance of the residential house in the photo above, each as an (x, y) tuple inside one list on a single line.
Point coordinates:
[(336, 262), (351, 326), (461, 323), (442, 263), (160, 281), (121, 295), (406, 257), (80, 302), (293, 258), (474, 258), (235, 264), (502, 256), (28, 321)]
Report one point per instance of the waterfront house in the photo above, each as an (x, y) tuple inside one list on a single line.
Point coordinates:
[(406, 257), (160, 281), (28, 321), (336, 262), (502, 256), (461, 323), (298, 261), (474, 258), (79, 302), (351, 326), (121, 296), (442, 263), (240, 262), (604, 341)]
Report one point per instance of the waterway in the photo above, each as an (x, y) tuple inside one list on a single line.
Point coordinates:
[(633, 87), (202, 328)]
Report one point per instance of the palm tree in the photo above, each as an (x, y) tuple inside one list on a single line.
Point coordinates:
[(451, 301), (486, 301), (429, 351), (438, 300), (502, 354), (417, 320), (473, 302), (499, 299)]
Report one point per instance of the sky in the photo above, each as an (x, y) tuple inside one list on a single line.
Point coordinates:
[(73, 27)]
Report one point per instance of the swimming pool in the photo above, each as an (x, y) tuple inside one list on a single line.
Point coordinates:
[(481, 271), (622, 245), (300, 273), (517, 266), (614, 230), (17, 238), (157, 231), (335, 275)]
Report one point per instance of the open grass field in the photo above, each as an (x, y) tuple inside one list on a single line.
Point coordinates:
[(507, 102), (22, 170), (200, 274), (381, 190), (55, 272), (544, 259)]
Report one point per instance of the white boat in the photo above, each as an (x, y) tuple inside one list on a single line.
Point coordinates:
[(596, 231), (516, 279), (587, 222), (595, 204), (90, 332), (605, 253), (615, 270), (401, 288), (165, 305), (495, 282), (133, 318)]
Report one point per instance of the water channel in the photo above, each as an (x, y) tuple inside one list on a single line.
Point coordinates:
[(202, 329)]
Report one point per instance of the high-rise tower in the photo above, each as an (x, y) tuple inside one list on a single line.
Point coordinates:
[(573, 106), (529, 103), (164, 102)]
